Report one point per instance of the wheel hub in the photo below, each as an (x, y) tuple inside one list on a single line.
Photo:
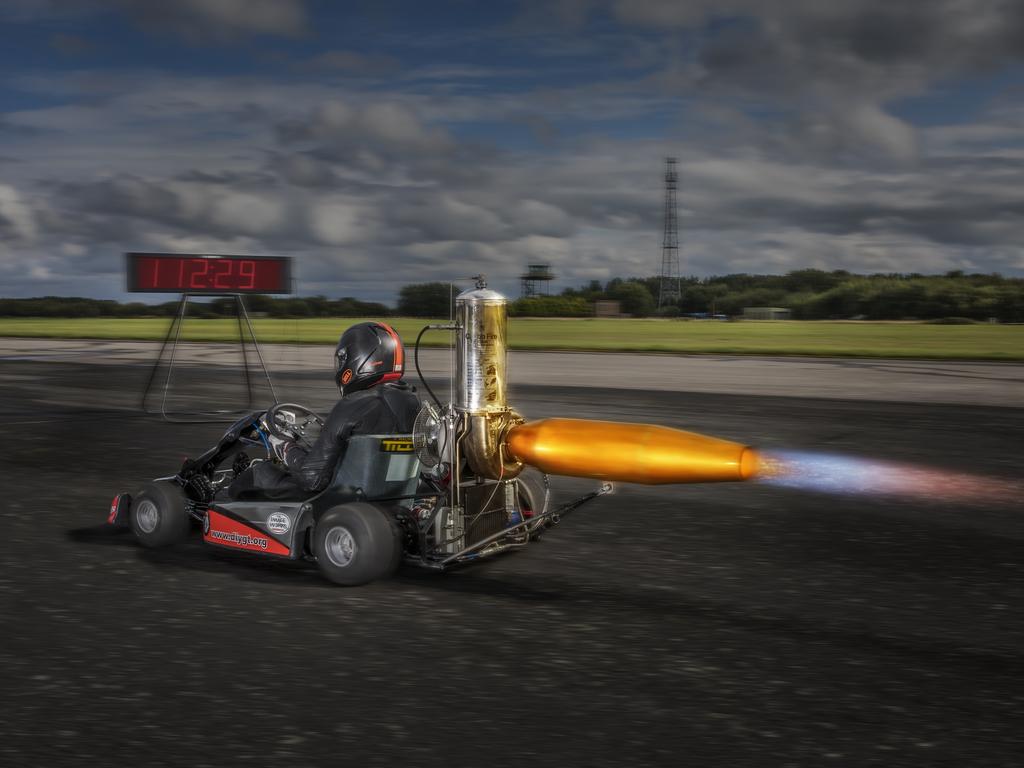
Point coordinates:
[(340, 546), (147, 516)]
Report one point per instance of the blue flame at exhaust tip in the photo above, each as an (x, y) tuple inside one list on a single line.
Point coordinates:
[(847, 475)]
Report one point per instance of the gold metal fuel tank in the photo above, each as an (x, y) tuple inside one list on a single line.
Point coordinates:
[(481, 392)]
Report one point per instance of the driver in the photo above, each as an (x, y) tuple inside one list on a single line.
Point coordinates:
[(368, 367)]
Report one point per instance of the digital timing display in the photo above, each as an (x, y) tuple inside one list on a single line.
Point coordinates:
[(183, 273)]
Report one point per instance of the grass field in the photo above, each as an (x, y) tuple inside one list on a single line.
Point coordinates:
[(845, 339)]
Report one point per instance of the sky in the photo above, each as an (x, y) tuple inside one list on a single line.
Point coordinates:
[(386, 143)]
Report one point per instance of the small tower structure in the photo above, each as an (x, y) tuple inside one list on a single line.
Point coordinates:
[(670, 289), (535, 280)]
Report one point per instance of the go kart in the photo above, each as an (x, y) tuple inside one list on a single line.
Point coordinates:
[(382, 507), (467, 483)]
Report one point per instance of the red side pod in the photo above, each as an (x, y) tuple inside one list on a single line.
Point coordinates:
[(118, 514), (225, 532)]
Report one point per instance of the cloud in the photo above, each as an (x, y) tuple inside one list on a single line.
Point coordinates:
[(341, 221), (349, 62), (379, 124), (72, 45), (829, 72), (131, 202), (860, 48), (360, 186), (33, 10), (795, 141), (382, 142), (177, 243), (16, 218), (220, 19), (194, 20)]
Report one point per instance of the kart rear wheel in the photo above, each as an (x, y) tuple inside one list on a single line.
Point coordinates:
[(158, 516), (532, 491), (356, 543), (533, 495)]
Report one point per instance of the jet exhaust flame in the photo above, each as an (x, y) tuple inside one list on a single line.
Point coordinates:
[(845, 475)]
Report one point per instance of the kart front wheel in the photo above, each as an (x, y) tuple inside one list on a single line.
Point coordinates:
[(356, 543), (158, 516)]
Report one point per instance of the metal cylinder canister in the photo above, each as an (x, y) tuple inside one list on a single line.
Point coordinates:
[(481, 392), (482, 321)]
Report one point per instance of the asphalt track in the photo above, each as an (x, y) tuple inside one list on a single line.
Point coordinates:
[(722, 625)]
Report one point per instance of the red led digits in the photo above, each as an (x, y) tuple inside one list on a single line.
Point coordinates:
[(199, 269), (193, 274), (222, 273), (247, 270)]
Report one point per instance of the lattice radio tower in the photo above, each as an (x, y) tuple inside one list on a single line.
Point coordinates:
[(670, 290)]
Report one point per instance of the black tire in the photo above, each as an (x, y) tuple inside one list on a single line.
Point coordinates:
[(533, 496), (158, 517), (532, 491), (356, 543)]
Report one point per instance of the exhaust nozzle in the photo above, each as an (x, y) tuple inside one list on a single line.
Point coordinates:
[(632, 453)]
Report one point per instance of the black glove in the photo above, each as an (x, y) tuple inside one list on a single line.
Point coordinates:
[(278, 446), (241, 463), (199, 488)]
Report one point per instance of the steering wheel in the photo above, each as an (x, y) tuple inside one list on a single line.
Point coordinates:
[(289, 421)]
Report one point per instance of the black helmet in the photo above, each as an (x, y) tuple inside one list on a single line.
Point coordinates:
[(367, 354)]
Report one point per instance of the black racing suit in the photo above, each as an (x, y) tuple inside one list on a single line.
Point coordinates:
[(386, 409)]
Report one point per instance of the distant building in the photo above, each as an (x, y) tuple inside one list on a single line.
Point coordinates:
[(606, 308), (766, 313), (705, 316)]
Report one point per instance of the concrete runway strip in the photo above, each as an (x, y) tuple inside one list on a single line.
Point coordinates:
[(899, 381)]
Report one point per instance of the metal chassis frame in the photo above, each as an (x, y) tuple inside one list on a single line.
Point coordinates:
[(174, 330), (522, 531), (519, 534)]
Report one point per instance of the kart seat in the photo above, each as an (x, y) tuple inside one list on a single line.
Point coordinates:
[(378, 466)]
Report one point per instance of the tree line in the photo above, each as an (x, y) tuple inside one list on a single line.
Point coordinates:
[(309, 306), (810, 294)]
